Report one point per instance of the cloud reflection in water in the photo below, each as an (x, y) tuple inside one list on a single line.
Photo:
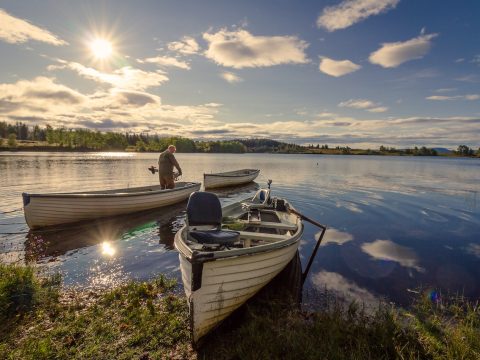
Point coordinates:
[(388, 250), (346, 289)]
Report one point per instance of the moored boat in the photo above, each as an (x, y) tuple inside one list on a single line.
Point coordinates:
[(50, 209), (222, 268), (229, 178)]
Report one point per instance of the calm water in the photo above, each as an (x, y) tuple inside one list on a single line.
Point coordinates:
[(395, 223)]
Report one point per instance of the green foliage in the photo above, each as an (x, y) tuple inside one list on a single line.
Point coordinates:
[(464, 150), (12, 140)]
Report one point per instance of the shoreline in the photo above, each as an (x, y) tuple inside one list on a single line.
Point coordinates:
[(147, 320), (354, 152)]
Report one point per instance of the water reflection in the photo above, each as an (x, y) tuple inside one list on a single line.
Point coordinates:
[(108, 249), (428, 206), (344, 288), (334, 236), (473, 249), (389, 251), (54, 242), (235, 191)]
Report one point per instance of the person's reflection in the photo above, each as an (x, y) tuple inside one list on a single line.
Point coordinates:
[(168, 229)]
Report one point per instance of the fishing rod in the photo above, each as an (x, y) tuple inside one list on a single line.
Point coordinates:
[(154, 169)]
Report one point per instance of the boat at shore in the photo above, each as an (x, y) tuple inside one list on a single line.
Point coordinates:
[(228, 254), (229, 178), (49, 209)]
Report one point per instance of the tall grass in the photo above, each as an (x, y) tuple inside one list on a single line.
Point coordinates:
[(21, 291), (142, 320)]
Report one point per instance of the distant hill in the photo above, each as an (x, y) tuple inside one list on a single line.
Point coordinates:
[(442, 150)]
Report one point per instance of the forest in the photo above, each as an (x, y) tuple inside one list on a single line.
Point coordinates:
[(20, 136)]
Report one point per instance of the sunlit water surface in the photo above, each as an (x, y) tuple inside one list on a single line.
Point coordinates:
[(396, 224)]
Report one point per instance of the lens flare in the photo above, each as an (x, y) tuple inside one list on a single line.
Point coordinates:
[(101, 48), (108, 249)]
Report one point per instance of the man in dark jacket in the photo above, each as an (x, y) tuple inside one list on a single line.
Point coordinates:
[(166, 162)]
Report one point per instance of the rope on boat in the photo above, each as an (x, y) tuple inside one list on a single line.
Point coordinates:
[(319, 241)]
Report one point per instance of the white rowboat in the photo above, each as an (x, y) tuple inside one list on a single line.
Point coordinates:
[(222, 269), (230, 178), (61, 208)]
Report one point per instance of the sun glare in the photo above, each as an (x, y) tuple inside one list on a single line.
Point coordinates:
[(108, 249), (101, 48)]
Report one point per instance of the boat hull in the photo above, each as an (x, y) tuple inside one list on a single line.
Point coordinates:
[(42, 210), (219, 180), (218, 282)]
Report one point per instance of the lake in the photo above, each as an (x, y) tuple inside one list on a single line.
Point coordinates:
[(395, 224)]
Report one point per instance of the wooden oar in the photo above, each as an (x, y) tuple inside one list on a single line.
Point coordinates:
[(320, 238)]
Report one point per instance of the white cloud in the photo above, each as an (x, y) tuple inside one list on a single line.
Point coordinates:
[(470, 97), (357, 104), (391, 55), (240, 49), (123, 78), (476, 60), (388, 250), (337, 67), (378, 109), (187, 46), (443, 90), (350, 12), (43, 101), (471, 78), (230, 77), (14, 30), (166, 61)]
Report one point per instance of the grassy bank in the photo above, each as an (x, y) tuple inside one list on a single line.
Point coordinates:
[(147, 321)]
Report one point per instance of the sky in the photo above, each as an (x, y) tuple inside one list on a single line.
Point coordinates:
[(358, 73)]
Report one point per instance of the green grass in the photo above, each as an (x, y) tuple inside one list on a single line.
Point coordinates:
[(142, 320), (428, 330), (131, 321)]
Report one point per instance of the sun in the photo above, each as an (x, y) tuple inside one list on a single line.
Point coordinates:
[(101, 48)]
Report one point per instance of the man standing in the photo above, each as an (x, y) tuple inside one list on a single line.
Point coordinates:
[(166, 162)]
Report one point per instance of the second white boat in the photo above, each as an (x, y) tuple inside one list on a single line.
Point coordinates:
[(48, 209), (229, 178)]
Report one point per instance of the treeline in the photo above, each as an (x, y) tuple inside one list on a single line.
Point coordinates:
[(84, 139), (47, 137)]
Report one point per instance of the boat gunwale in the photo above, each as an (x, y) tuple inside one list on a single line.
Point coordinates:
[(87, 195), (195, 256), (231, 174)]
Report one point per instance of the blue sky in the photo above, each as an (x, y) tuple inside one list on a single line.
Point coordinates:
[(362, 73)]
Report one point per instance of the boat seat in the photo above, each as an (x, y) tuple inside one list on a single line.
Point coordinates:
[(220, 237), (204, 209)]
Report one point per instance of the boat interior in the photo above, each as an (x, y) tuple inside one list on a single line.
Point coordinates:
[(259, 221)]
